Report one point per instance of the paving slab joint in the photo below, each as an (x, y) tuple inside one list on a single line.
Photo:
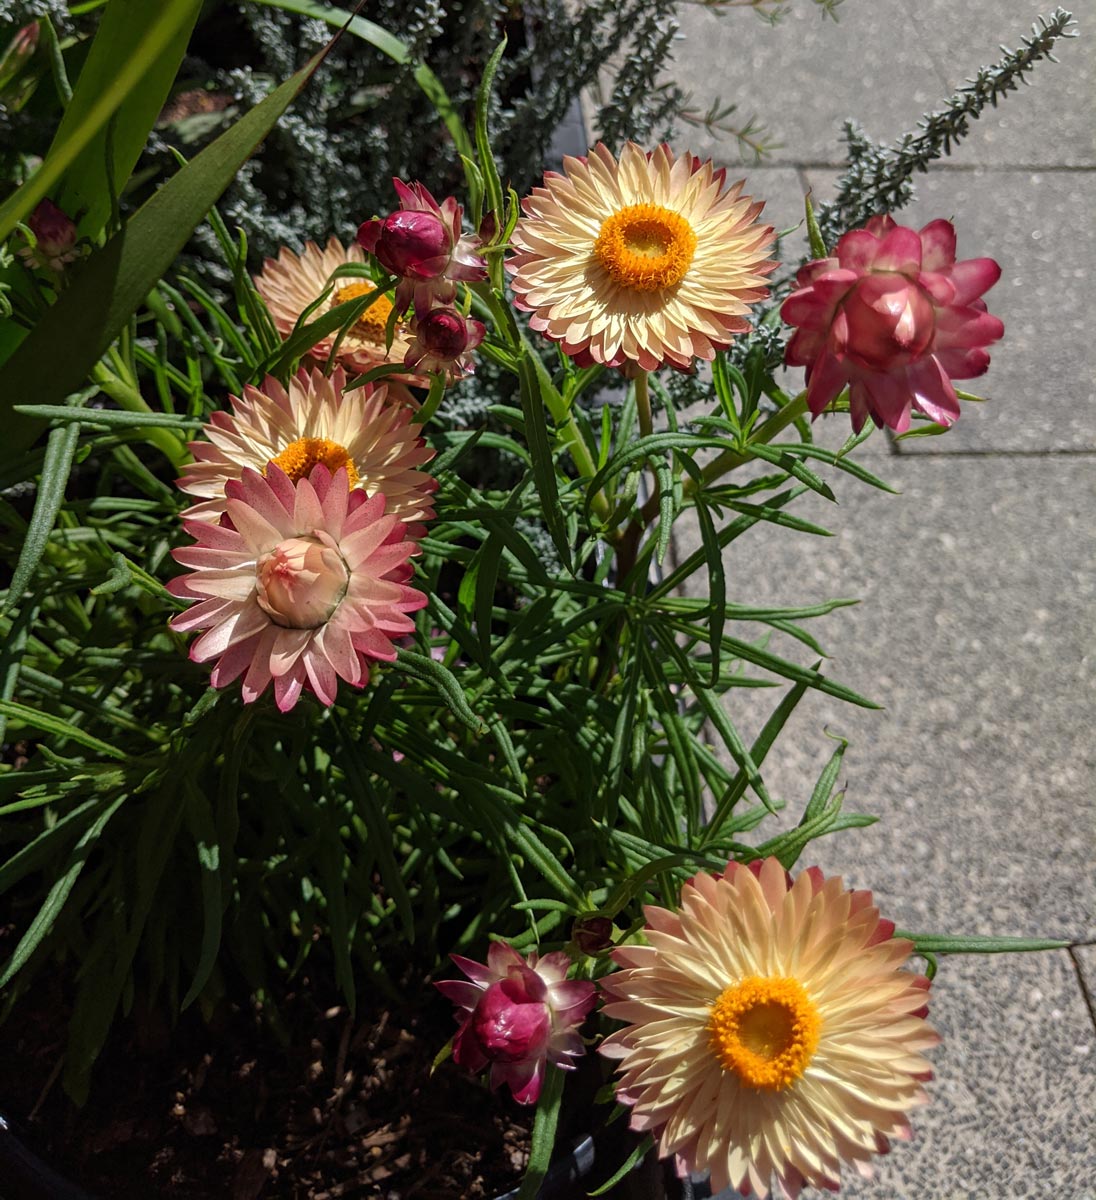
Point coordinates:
[(1090, 1004)]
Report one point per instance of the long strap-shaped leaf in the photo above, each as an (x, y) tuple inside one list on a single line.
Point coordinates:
[(115, 281), (105, 163), (82, 131)]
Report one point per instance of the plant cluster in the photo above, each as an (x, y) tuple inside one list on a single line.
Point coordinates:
[(292, 672)]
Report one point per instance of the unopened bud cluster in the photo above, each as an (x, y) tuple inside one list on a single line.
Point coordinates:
[(422, 243)]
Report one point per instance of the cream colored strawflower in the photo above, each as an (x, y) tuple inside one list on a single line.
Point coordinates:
[(772, 1034), (291, 282), (315, 421), (651, 260)]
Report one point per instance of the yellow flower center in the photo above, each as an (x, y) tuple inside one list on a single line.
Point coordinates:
[(645, 247), (765, 1031), (372, 323), (299, 457)]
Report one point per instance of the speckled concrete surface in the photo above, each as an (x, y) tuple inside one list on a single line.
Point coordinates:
[(977, 627)]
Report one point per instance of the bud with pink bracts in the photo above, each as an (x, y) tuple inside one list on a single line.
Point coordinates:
[(422, 243), (893, 317), (19, 52), (55, 237), (442, 340), (517, 1015)]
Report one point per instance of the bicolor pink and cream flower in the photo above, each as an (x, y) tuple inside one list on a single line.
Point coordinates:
[(517, 1015), (423, 243), (771, 1033), (648, 261), (301, 586), (291, 282), (315, 421), (894, 318)]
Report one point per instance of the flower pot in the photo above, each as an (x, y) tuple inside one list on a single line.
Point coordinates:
[(24, 1176)]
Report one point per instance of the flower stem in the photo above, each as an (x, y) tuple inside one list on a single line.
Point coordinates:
[(131, 400), (643, 405), (726, 462)]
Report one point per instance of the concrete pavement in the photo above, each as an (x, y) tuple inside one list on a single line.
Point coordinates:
[(977, 629)]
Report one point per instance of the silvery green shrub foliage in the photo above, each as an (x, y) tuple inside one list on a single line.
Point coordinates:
[(331, 161)]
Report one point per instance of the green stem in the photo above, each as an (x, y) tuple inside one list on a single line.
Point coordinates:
[(130, 399), (544, 1132), (726, 462), (643, 405), (562, 416)]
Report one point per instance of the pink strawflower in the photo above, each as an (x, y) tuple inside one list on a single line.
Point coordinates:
[(291, 282), (895, 318), (301, 586), (313, 421), (516, 1015), (423, 244), (442, 340), (55, 237)]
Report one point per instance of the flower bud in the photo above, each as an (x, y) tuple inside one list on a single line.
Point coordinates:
[(20, 50), (423, 244), (592, 934), (443, 341), (55, 236), (301, 581), (516, 1016), (415, 244), (509, 1024)]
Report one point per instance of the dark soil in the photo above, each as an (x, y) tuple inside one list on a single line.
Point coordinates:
[(339, 1106)]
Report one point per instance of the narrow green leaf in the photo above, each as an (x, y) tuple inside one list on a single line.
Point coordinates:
[(544, 467), (790, 463), (639, 1153), (935, 943), (60, 448), (445, 682), (200, 824), (544, 1133), (105, 163), (736, 789), (150, 45), (814, 234), (108, 418), (58, 893), (717, 584), (488, 169), (793, 671), (48, 723), (827, 781), (371, 808)]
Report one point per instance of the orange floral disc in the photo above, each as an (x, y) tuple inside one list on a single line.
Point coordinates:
[(645, 247)]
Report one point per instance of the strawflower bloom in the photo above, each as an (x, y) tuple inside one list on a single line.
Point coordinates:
[(650, 261), (422, 242), (893, 317), (518, 1015), (55, 237), (291, 282), (303, 586), (315, 421), (443, 340), (771, 1032)]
